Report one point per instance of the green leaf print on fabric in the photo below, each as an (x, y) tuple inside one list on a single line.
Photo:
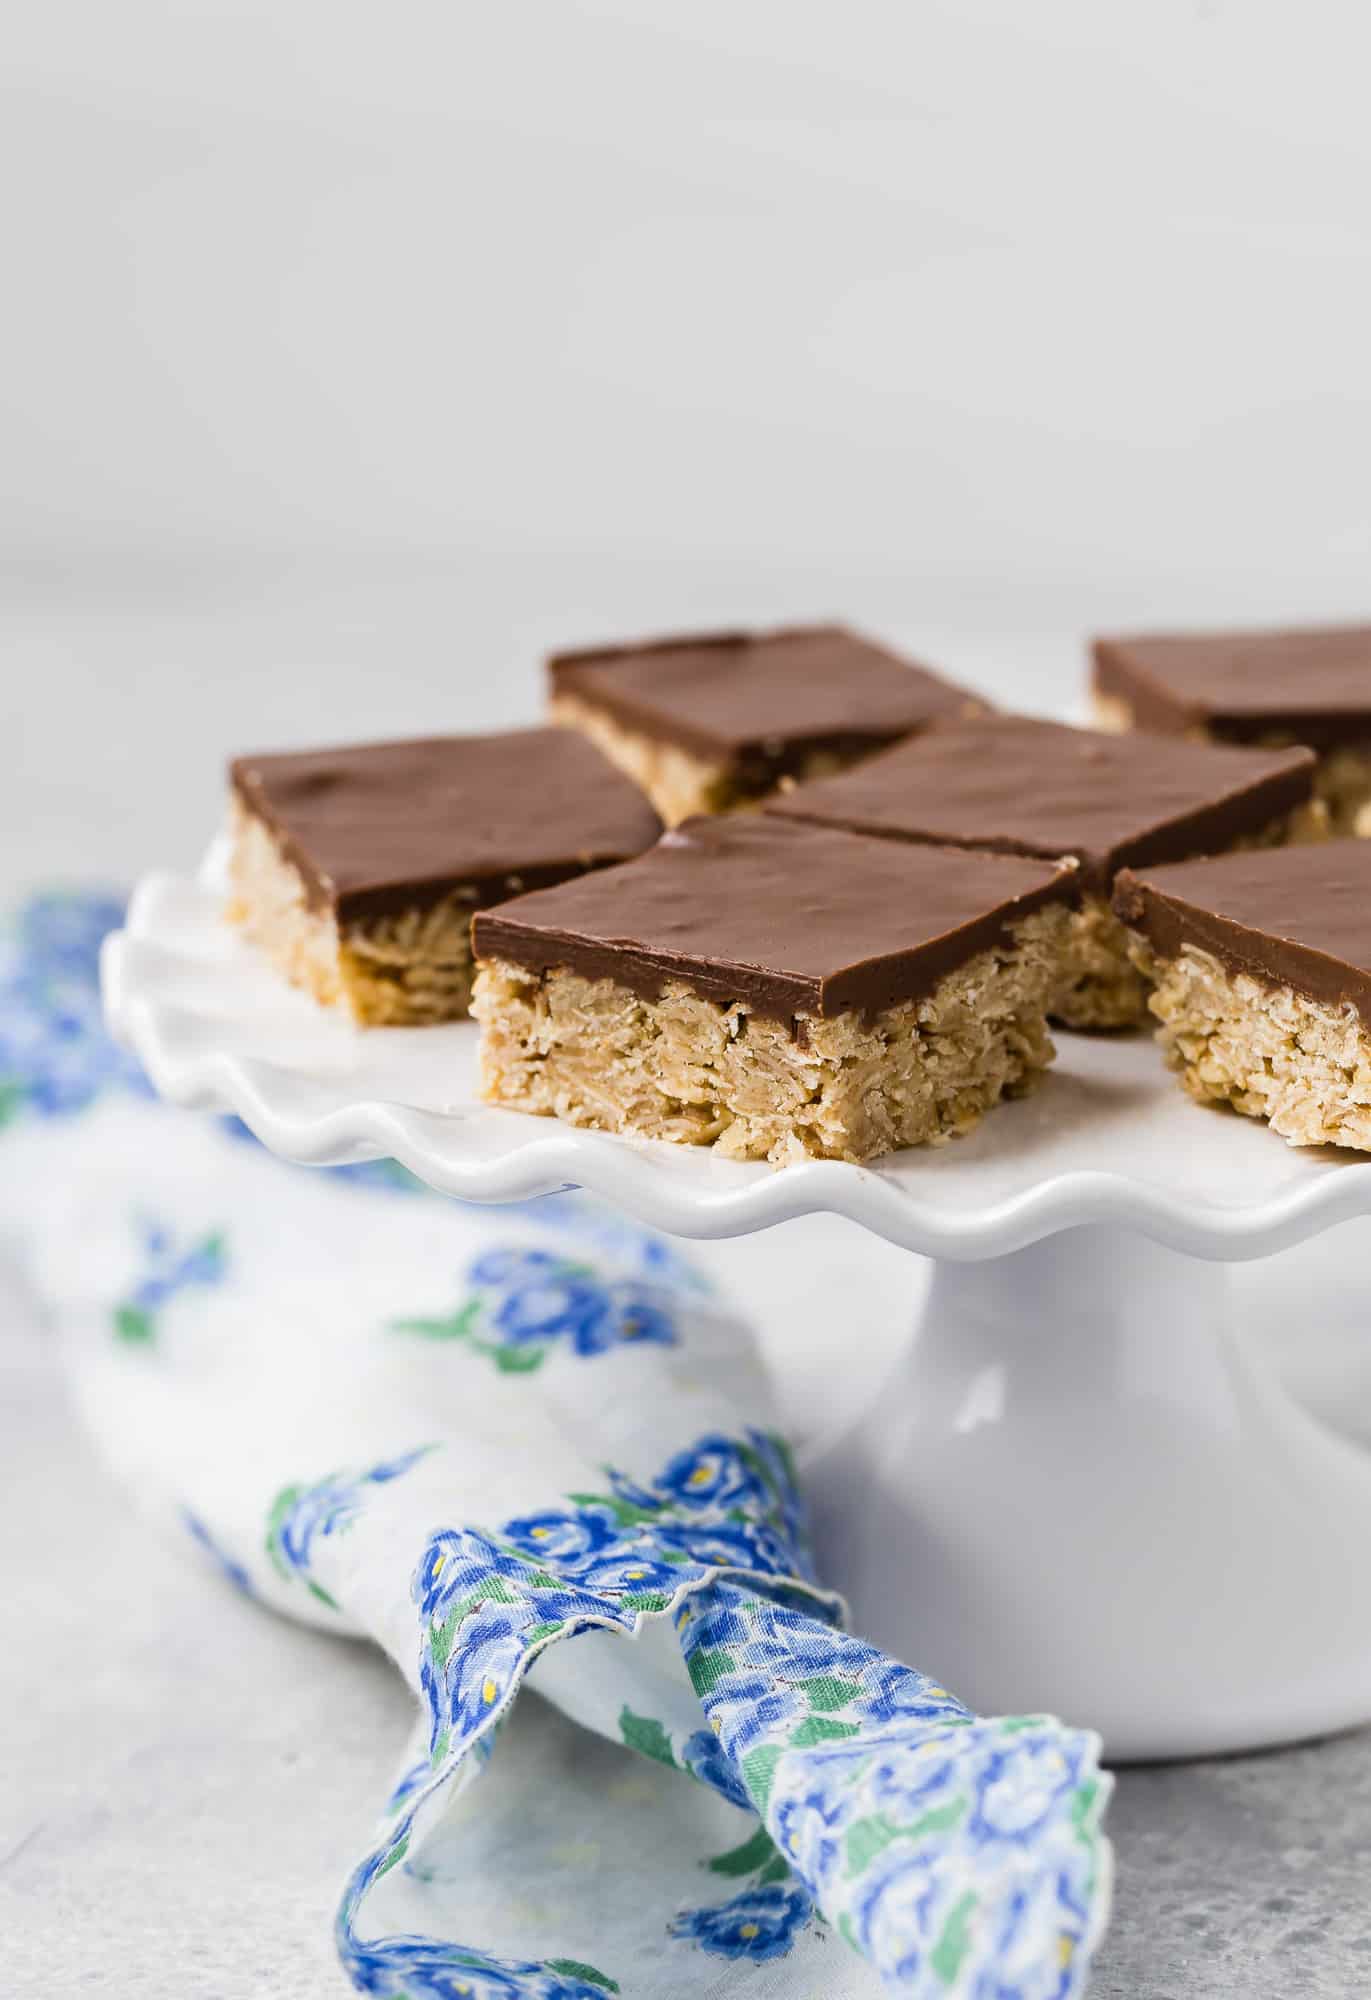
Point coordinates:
[(456, 1327), (758, 1852), (168, 1268), (646, 1735), (133, 1325), (572, 1968)]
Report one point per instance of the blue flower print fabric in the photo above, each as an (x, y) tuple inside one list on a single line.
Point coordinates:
[(528, 1445)]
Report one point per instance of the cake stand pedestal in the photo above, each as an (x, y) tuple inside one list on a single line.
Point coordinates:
[(1083, 1488)]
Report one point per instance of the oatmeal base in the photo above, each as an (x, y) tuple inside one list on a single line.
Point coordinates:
[(407, 968), (697, 1072), (1268, 1051)]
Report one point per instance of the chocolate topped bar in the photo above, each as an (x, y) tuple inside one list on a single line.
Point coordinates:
[(788, 919), (1311, 686), (707, 724), (727, 694), (380, 827), (1260, 968), (1297, 917), (1039, 788)]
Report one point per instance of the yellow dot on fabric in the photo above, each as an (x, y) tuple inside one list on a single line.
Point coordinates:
[(438, 1562), (717, 1726), (1066, 1949), (488, 1691), (749, 1930), (540, 1534), (699, 1477), (634, 1574)]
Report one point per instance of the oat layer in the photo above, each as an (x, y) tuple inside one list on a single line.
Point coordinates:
[(1098, 986), (1272, 1053), (407, 968), (700, 1073)]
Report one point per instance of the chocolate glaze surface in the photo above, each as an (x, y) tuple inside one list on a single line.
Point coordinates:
[(788, 918), (746, 695), (1289, 916), (1024, 787), (386, 826), (1313, 686)]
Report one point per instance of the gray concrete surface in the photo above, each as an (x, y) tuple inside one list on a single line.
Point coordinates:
[(1243, 1879)]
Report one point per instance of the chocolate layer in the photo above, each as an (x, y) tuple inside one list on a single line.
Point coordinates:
[(789, 919), (1289, 916), (747, 696), (1023, 787), (386, 826), (1312, 686)]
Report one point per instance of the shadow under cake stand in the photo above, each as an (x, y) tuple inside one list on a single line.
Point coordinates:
[(1085, 1487)]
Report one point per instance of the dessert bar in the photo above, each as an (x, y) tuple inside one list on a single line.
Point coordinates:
[(774, 990), (1310, 686), (1261, 969), (1040, 788), (357, 870), (709, 723)]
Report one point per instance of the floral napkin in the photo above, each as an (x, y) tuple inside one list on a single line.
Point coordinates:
[(475, 1436)]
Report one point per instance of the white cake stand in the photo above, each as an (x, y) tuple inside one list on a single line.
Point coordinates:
[(1084, 1488)]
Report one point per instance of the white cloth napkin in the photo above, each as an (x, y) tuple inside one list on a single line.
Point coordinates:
[(474, 1437)]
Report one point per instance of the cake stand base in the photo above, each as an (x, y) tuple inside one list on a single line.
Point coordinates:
[(1083, 1490)]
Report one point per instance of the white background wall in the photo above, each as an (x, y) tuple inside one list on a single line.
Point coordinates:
[(352, 353)]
